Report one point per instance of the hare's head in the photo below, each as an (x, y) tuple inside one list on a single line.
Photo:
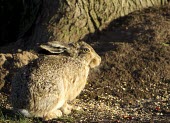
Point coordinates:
[(87, 53), (79, 50)]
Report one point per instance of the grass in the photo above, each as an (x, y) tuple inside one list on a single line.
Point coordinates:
[(166, 44), (7, 116)]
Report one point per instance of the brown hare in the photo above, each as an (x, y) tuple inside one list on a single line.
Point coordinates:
[(44, 87)]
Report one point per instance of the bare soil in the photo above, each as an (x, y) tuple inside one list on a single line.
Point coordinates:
[(132, 84)]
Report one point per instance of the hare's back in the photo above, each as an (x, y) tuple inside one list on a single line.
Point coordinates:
[(55, 64), (53, 68)]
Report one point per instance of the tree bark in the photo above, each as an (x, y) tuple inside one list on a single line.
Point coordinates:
[(72, 20)]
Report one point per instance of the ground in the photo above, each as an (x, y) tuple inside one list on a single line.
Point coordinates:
[(132, 84)]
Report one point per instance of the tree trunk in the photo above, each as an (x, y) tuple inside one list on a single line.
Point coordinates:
[(71, 20)]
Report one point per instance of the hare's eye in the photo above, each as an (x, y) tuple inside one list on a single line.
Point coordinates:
[(85, 50)]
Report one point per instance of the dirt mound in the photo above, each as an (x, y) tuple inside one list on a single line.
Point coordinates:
[(135, 65), (135, 54)]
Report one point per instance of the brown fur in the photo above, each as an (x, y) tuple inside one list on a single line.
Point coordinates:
[(44, 87)]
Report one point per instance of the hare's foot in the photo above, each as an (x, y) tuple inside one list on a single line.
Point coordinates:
[(53, 114), (66, 108)]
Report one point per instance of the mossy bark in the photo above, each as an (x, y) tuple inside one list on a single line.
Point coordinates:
[(72, 20)]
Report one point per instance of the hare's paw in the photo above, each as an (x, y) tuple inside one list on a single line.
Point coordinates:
[(66, 109), (53, 115)]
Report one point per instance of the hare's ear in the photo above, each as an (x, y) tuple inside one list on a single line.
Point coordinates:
[(54, 47)]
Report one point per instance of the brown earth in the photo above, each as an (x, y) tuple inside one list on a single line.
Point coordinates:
[(132, 83)]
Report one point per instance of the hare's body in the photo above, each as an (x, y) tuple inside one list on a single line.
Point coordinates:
[(43, 88)]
